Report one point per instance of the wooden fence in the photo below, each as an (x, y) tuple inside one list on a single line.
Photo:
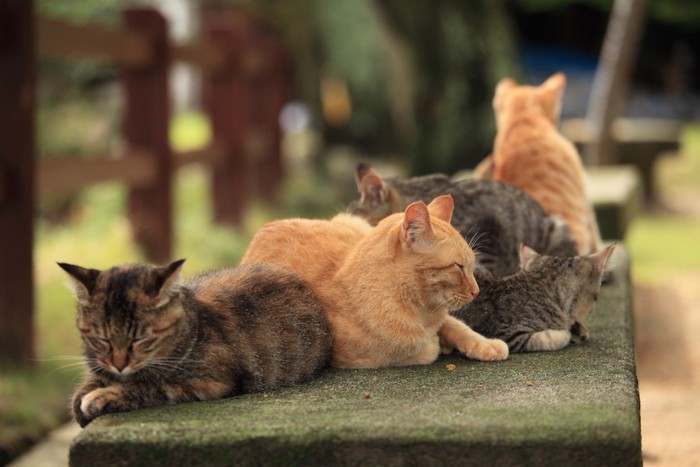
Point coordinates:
[(245, 83)]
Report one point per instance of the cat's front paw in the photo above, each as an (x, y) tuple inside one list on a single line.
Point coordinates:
[(97, 402), (489, 350), (579, 333)]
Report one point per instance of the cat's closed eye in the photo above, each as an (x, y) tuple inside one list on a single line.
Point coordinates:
[(163, 328), (99, 342)]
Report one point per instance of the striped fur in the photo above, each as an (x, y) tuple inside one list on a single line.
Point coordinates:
[(495, 218), (150, 340), (543, 306)]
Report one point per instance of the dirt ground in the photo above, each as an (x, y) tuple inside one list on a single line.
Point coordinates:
[(667, 326), (667, 322)]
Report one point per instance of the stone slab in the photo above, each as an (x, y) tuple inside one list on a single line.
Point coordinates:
[(578, 406)]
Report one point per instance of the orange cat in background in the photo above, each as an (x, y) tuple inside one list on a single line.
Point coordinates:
[(387, 290), (531, 154)]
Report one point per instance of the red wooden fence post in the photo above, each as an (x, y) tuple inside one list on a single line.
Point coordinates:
[(147, 116), (226, 98), (276, 93), (17, 63), (243, 102)]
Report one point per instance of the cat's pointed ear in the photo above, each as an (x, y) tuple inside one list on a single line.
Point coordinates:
[(504, 85), (81, 280), (442, 207), (527, 255), (372, 188), (416, 230), (602, 256), (553, 88), (556, 82), (166, 277)]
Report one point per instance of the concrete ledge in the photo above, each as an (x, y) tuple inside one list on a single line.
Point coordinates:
[(617, 195), (578, 406)]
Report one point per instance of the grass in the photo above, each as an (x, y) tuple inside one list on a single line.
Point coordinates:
[(663, 244)]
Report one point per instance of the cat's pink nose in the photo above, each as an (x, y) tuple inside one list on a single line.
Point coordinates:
[(120, 359), (475, 292)]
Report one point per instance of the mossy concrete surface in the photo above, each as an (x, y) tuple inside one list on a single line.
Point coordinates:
[(578, 406)]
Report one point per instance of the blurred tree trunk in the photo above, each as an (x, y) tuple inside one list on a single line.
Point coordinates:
[(612, 78), (462, 48)]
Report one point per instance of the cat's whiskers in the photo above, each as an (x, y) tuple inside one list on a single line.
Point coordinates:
[(446, 303), (475, 241), (59, 358), (69, 366)]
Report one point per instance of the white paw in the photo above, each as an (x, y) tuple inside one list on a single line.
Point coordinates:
[(94, 402)]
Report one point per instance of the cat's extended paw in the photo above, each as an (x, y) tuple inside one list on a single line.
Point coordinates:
[(489, 350), (96, 402)]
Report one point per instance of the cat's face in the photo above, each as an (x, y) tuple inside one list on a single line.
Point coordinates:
[(580, 277), (592, 268), (435, 259), (545, 99), (377, 199), (128, 316)]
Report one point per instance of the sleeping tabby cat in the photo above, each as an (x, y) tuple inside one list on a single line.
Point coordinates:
[(542, 307), (150, 340), (386, 290), (495, 218), (531, 154)]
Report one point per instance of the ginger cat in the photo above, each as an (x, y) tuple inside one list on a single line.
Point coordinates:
[(387, 290), (531, 154)]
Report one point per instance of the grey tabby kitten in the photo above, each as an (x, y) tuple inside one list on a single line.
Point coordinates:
[(495, 218), (541, 307), (150, 340)]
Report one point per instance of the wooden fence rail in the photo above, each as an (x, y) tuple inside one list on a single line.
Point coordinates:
[(245, 84)]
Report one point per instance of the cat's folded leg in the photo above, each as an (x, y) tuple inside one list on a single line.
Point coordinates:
[(87, 387), (551, 339), (472, 344), (94, 399), (427, 355)]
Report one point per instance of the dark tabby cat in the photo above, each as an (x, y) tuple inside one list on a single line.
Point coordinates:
[(541, 307), (150, 340), (495, 218)]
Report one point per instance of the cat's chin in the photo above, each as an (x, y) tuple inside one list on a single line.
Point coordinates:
[(459, 302), (125, 373)]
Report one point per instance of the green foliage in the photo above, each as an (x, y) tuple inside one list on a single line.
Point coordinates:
[(685, 13), (461, 49), (104, 11), (188, 131), (350, 35), (87, 127), (662, 245)]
